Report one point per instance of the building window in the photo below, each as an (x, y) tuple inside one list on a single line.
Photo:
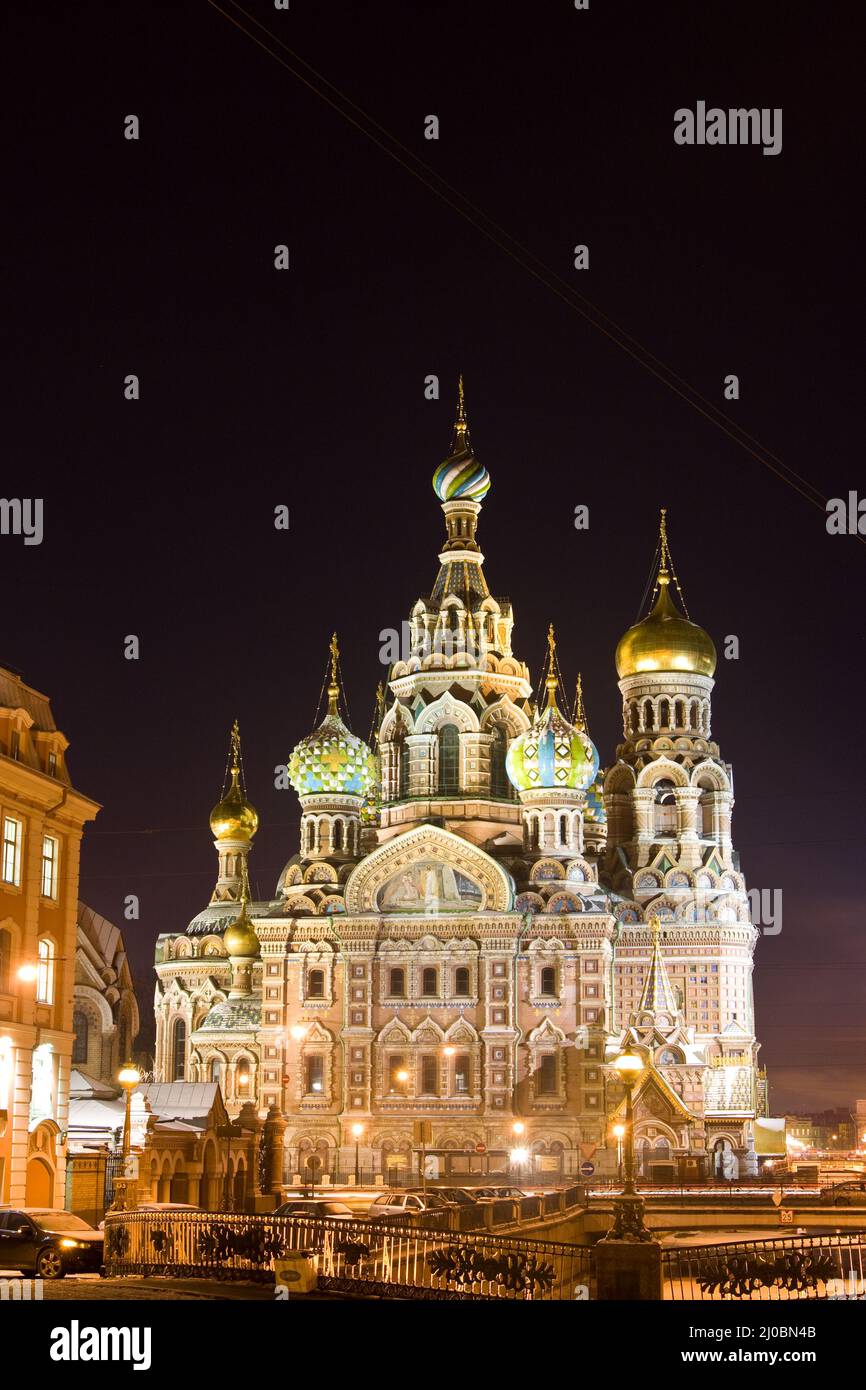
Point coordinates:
[(461, 981), (314, 1071), (45, 972), (499, 783), (397, 984), (461, 1073), (215, 1070), (429, 1076), (396, 1066), (547, 1074), (429, 981), (178, 1051), (449, 760), (5, 958), (79, 1044), (16, 744), (50, 856), (243, 1077), (13, 830), (548, 980), (316, 984), (52, 764)]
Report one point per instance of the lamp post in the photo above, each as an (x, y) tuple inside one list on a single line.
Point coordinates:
[(628, 1207), (357, 1131), (129, 1077), (618, 1134)]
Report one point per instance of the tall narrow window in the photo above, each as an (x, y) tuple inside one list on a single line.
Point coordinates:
[(402, 769), (45, 972), (5, 958), (548, 980), (397, 984), (215, 1070), (314, 1070), (79, 1044), (449, 760), (563, 830), (316, 984), (461, 981), (397, 1074), (178, 1051), (50, 856), (13, 830), (461, 1073), (338, 836), (15, 749), (429, 1076), (430, 981), (547, 1074), (499, 783), (243, 1077), (52, 764)]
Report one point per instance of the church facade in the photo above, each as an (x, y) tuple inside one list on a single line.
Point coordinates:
[(478, 919)]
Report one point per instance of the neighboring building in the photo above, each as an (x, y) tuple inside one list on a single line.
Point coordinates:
[(825, 1131), (105, 1018), (477, 919), (41, 823)]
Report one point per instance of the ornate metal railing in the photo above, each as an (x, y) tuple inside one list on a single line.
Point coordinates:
[(388, 1259), (776, 1269)]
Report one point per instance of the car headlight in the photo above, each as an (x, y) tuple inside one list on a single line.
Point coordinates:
[(71, 1244)]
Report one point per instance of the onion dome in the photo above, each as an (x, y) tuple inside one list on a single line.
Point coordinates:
[(240, 938), (665, 640), (553, 753), (234, 818), (460, 477), (332, 758)]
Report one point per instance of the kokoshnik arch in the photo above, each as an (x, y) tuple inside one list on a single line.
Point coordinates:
[(478, 919)]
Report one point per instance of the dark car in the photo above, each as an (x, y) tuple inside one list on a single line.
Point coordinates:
[(391, 1206), (461, 1196), (515, 1192), (315, 1207), (36, 1240), (846, 1194)]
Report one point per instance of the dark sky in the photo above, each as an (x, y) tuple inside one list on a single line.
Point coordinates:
[(306, 388)]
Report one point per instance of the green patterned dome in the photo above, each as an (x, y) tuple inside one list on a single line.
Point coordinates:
[(332, 759), (553, 753)]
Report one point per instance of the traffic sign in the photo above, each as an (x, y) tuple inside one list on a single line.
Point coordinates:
[(314, 1163), (481, 1148), (587, 1169)]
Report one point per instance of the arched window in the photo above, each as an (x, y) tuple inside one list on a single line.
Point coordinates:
[(648, 721), (316, 984), (215, 1069), (311, 836), (547, 1074), (548, 980), (461, 981), (430, 981), (563, 830), (243, 1077), (664, 715), (79, 1045), (449, 760), (533, 832), (680, 714), (338, 836), (499, 783), (665, 808), (397, 983), (5, 958), (178, 1051)]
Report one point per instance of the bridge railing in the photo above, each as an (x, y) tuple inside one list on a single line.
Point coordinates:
[(777, 1269), (386, 1259)]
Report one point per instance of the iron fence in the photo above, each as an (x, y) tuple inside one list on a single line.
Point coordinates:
[(777, 1269), (365, 1258)]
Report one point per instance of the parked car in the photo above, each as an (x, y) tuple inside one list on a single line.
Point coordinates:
[(461, 1196), (48, 1243), (393, 1205), (515, 1192), (846, 1194), (317, 1206)]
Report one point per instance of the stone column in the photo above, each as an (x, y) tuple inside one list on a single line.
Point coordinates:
[(687, 799)]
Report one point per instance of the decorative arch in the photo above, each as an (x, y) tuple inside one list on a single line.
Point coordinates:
[(426, 842), (447, 710), (661, 769)]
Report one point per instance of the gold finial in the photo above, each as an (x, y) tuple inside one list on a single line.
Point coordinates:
[(235, 757), (655, 925), (552, 678), (579, 716), (461, 424), (380, 699), (334, 687), (665, 556)]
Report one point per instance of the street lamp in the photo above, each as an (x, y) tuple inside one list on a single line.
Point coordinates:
[(628, 1207), (299, 1031), (357, 1131), (129, 1077), (27, 974), (618, 1134)]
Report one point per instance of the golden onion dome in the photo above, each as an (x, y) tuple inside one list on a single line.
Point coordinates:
[(665, 641), (240, 938), (234, 818)]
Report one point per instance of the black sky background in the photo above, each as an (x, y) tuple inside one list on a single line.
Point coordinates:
[(306, 388)]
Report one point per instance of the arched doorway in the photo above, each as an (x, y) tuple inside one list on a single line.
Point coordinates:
[(39, 1186), (726, 1165)]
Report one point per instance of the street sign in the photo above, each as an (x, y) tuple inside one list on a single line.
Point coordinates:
[(314, 1163), (588, 1150), (587, 1169), (422, 1132), (786, 1216), (481, 1148)]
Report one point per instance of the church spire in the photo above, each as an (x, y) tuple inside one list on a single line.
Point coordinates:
[(578, 714), (334, 687), (552, 670), (658, 995)]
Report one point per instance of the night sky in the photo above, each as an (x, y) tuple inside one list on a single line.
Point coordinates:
[(305, 388)]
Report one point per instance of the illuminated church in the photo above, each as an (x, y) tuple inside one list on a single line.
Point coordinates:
[(477, 919)]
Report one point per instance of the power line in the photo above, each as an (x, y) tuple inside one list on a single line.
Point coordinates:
[(447, 193)]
